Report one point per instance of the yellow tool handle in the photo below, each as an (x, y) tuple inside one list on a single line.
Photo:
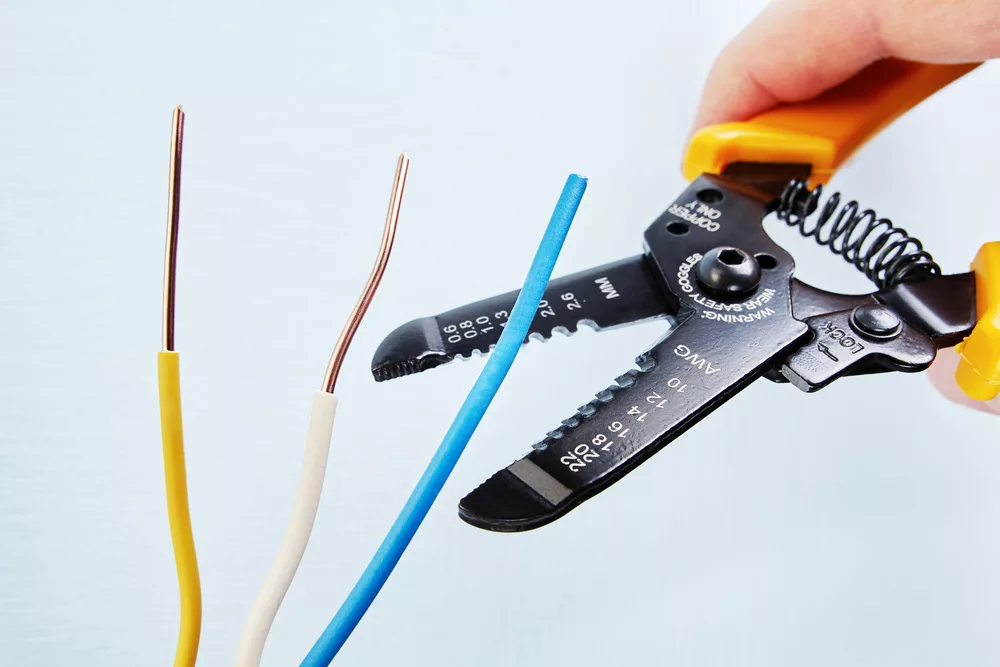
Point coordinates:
[(826, 131)]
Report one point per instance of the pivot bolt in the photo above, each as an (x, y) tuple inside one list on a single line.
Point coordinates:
[(729, 271), (876, 321)]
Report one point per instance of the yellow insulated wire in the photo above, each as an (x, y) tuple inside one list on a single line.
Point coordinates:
[(168, 370), (177, 509)]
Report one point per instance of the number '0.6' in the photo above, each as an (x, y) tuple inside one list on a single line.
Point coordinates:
[(467, 329)]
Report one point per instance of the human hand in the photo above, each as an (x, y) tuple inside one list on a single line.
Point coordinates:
[(797, 49)]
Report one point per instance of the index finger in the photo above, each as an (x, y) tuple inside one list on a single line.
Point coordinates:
[(796, 49)]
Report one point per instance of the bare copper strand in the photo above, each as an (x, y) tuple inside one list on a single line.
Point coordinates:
[(173, 220), (388, 236)]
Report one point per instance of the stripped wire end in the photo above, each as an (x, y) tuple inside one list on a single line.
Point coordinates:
[(381, 260), (173, 221)]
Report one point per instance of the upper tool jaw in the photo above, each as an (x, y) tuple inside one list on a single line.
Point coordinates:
[(608, 296)]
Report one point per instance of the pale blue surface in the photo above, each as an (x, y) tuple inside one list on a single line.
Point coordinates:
[(859, 526)]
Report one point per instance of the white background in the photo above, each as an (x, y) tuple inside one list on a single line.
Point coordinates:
[(857, 526)]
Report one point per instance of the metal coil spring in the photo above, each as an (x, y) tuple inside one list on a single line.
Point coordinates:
[(885, 254)]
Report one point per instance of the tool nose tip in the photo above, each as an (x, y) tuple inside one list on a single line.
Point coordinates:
[(413, 347), (505, 504)]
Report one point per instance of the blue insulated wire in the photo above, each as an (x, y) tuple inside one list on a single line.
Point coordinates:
[(455, 441)]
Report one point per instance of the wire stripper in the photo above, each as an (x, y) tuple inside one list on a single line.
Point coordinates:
[(735, 309)]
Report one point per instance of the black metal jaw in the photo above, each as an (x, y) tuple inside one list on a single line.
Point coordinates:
[(711, 270)]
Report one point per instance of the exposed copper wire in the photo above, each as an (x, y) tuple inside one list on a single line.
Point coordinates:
[(173, 219), (388, 235)]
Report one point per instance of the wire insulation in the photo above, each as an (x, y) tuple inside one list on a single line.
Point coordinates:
[(458, 436), (293, 546), (168, 366)]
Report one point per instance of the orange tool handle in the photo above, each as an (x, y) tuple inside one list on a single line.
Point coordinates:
[(978, 372), (826, 131)]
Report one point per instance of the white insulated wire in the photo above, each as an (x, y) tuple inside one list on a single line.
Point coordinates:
[(251, 646)]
